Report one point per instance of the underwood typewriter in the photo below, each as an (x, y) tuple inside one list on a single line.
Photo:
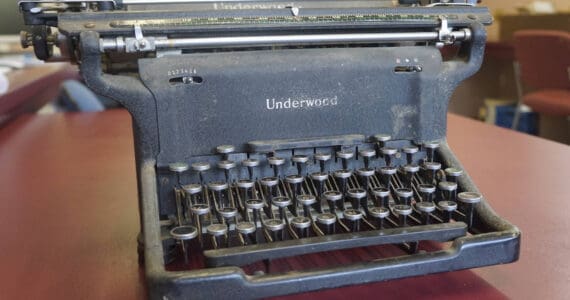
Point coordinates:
[(287, 146)]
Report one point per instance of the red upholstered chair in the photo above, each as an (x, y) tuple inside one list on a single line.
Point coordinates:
[(544, 69)]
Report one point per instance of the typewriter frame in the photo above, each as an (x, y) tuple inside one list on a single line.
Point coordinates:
[(500, 245)]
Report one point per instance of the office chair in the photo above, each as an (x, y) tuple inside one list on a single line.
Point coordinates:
[(543, 68)]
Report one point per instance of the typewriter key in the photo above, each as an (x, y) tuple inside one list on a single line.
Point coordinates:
[(183, 234), (381, 139), (448, 189), (199, 210), (322, 158), (345, 155), (327, 221), (228, 213), (250, 164), (332, 198), (227, 165), (404, 195), (245, 186), (218, 233), (447, 207), (275, 228), (300, 161), (342, 177), (410, 151), (358, 197), (379, 214), (388, 154), (269, 183), (295, 185), (426, 191), (218, 188), (364, 175), (387, 173), (426, 208), (409, 171), (451, 174), (469, 199), (367, 155), (178, 167), (246, 229), (430, 150), (201, 167), (319, 182), (301, 226), (255, 205), (354, 216), (306, 201), (225, 150), (382, 197), (430, 169), (275, 163), (281, 203), (403, 211)]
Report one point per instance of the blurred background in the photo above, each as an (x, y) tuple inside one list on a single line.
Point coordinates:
[(524, 82)]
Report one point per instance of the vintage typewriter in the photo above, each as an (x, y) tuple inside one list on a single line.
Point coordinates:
[(287, 146)]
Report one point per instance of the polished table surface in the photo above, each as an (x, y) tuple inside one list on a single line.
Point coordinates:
[(69, 216)]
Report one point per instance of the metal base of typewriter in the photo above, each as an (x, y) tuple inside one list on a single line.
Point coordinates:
[(494, 241)]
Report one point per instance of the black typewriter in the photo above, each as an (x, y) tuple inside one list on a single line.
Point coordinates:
[(287, 146)]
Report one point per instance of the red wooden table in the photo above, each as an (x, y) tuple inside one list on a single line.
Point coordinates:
[(69, 216)]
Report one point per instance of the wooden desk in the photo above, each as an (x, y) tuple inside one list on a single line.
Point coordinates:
[(68, 213), (33, 87)]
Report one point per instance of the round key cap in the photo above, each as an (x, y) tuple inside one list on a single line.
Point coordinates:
[(431, 145), (356, 193), (352, 214), (245, 183), (319, 176), (322, 156), (388, 170), (402, 210), (411, 168), (276, 161), (379, 212), (342, 174), (274, 224), (200, 166), (218, 186), (200, 209), (326, 219), (192, 188), (254, 204), (281, 201), (245, 227), (410, 149), (217, 229), (345, 154), (301, 222), (183, 233), (381, 192), (332, 195), (389, 151), (250, 162), (228, 212), (225, 149), (447, 186), (294, 179), (306, 200), (367, 152), (178, 167), (454, 172), (426, 188), (469, 197), (404, 192), (269, 181), (382, 137), (226, 164), (366, 172), (433, 166), (425, 207), (300, 159), (447, 205)]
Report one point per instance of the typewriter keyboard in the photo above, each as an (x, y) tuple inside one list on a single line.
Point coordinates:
[(235, 209)]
